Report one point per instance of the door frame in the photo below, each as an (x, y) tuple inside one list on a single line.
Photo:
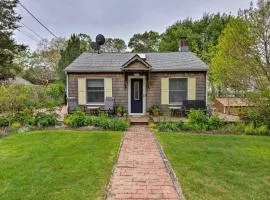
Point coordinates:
[(144, 94)]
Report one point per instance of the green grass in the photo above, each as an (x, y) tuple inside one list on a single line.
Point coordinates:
[(57, 164), (220, 166)]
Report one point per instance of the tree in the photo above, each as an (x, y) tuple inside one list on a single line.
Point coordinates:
[(75, 46), (39, 75), (114, 45), (49, 51), (8, 47), (229, 66), (145, 42), (202, 34), (242, 61)]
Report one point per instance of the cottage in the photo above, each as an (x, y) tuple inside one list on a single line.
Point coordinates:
[(137, 80), (230, 105)]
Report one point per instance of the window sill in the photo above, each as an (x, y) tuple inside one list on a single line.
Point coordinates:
[(95, 104)]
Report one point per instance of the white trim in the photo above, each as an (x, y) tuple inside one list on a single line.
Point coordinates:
[(206, 88), (67, 89), (129, 94)]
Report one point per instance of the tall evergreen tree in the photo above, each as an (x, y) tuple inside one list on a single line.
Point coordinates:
[(75, 46), (8, 47)]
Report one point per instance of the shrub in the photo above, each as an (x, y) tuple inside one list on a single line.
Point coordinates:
[(56, 92), (16, 97), (236, 128), (170, 126), (215, 123), (44, 119), (4, 121), (198, 120), (25, 117), (76, 119), (262, 130), (16, 125), (249, 129)]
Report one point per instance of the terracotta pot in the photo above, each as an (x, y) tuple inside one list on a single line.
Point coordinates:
[(150, 122), (155, 113)]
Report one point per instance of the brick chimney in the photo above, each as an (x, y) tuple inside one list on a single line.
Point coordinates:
[(183, 44)]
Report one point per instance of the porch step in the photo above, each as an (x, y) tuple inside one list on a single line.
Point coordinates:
[(138, 120)]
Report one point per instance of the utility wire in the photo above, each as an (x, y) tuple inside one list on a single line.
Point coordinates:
[(26, 34), (37, 20), (31, 30)]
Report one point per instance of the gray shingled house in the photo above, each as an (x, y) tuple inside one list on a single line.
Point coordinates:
[(136, 80)]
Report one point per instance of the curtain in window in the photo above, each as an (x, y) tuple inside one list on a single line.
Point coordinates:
[(95, 91), (177, 90)]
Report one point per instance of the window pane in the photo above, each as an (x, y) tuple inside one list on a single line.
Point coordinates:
[(177, 96), (136, 90), (95, 97), (95, 83), (95, 91), (178, 90), (178, 84)]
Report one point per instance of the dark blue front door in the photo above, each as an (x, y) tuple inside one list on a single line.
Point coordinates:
[(136, 95)]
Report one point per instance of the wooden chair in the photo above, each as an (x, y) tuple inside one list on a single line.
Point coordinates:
[(109, 105), (193, 104), (72, 104)]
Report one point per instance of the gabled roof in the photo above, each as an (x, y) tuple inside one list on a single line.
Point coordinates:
[(136, 58), (234, 102), (161, 61)]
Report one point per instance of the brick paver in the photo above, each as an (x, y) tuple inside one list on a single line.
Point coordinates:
[(140, 172)]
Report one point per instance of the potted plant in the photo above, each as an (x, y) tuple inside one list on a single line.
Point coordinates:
[(151, 120), (154, 110), (120, 111)]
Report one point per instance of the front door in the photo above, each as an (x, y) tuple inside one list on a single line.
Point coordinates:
[(136, 96)]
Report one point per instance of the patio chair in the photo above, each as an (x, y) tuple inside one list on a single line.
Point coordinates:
[(72, 104), (109, 105), (193, 104)]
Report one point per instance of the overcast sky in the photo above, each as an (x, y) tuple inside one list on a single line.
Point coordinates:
[(113, 18)]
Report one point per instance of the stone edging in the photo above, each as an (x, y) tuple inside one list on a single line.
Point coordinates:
[(169, 168), (114, 166)]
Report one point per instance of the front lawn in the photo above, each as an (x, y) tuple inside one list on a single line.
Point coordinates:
[(57, 164), (220, 166)]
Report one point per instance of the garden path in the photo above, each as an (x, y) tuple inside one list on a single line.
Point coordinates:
[(140, 172)]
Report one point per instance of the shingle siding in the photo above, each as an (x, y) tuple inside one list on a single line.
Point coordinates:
[(153, 91)]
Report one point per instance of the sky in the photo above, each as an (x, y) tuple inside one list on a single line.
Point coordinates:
[(112, 18)]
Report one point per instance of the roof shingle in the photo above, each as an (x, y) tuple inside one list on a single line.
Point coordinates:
[(112, 62)]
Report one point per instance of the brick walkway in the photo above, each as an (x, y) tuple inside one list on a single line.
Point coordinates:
[(140, 172)]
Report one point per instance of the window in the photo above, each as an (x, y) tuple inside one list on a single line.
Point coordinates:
[(95, 91), (177, 90), (136, 90)]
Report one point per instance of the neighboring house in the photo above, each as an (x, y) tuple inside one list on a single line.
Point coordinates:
[(230, 105), (18, 80), (137, 80)]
